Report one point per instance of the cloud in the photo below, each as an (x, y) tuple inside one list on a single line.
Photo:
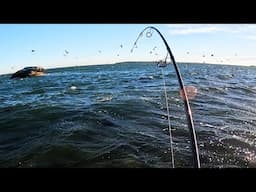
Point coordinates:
[(251, 37), (193, 29), (187, 29)]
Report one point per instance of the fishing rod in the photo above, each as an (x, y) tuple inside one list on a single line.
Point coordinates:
[(194, 147)]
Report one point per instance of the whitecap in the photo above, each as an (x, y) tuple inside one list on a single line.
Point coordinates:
[(106, 98), (150, 77), (73, 87)]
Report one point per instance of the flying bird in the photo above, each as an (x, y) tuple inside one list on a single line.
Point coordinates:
[(66, 52), (121, 46)]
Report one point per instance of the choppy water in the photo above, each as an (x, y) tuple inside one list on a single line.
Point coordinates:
[(115, 116)]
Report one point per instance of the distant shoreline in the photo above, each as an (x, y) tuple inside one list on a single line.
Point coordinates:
[(140, 62)]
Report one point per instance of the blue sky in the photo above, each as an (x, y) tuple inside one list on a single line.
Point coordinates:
[(101, 44)]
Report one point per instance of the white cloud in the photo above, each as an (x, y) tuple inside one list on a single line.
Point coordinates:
[(186, 29), (251, 37), (192, 29)]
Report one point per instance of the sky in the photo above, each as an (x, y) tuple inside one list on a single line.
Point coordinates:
[(44, 45)]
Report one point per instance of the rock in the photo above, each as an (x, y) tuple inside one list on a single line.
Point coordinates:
[(28, 72)]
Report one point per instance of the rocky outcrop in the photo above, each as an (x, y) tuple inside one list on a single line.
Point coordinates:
[(28, 72)]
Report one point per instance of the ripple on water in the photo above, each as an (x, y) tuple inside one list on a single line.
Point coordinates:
[(115, 116)]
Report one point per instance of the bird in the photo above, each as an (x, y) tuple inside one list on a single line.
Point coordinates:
[(121, 46), (32, 50), (212, 55), (66, 52)]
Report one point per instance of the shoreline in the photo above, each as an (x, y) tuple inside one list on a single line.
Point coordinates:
[(141, 62)]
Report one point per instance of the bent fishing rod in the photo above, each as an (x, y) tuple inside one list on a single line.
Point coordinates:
[(194, 147)]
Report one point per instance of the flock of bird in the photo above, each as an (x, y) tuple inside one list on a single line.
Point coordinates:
[(153, 51)]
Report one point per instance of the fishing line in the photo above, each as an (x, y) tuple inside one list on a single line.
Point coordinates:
[(194, 147), (168, 117)]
